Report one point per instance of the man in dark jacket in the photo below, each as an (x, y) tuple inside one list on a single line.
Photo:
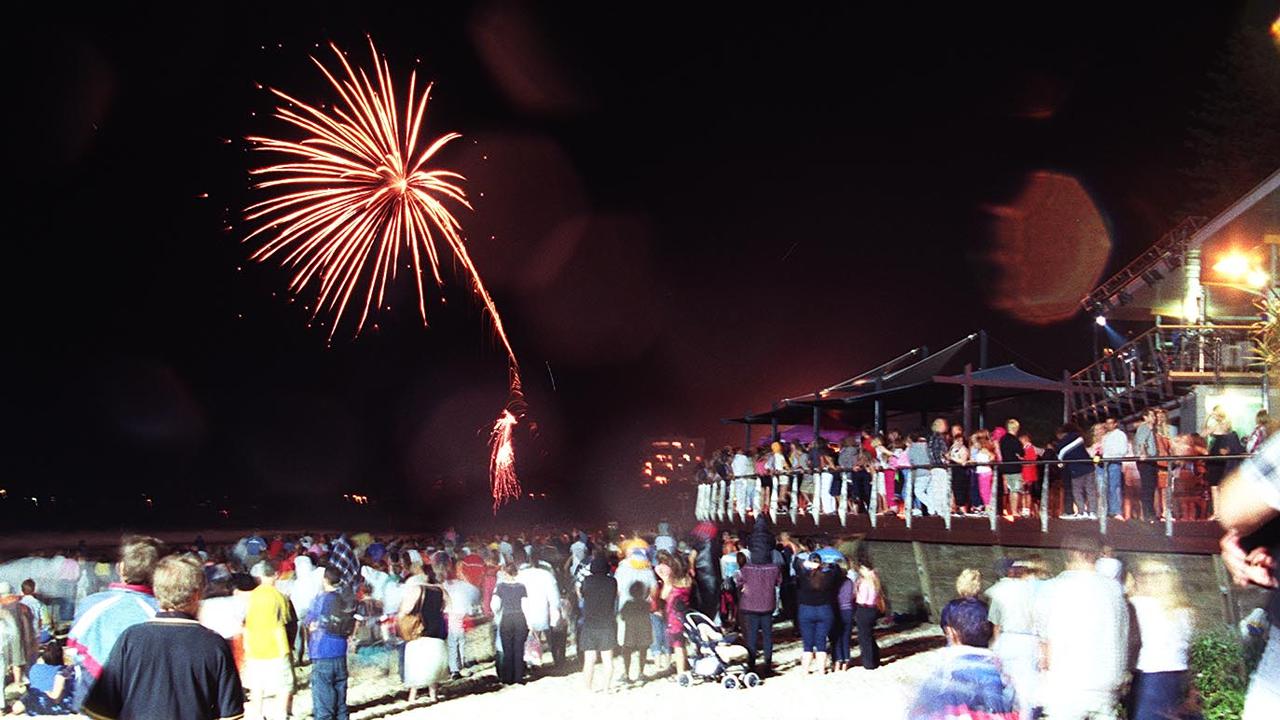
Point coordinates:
[(759, 583)]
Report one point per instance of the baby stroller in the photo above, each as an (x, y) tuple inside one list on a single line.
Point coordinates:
[(714, 655)]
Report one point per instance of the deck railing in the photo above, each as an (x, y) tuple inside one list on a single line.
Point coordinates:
[(723, 500)]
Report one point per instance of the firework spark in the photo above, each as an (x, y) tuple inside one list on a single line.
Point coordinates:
[(354, 193)]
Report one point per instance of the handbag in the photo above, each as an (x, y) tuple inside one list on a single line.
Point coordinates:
[(410, 625), (532, 649)]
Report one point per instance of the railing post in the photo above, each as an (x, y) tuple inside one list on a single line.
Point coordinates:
[(792, 497), (815, 502), (909, 493), (1169, 490), (873, 506), (946, 499), (1102, 480), (843, 509), (773, 502), (697, 505), (757, 503), (1044, 501)]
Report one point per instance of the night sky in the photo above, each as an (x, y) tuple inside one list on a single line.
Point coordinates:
[(693, 213)]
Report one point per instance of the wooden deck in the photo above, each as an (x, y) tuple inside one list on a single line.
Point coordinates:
[(1189, 537)]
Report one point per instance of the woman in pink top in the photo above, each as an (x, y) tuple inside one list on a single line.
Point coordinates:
[(869, 604)]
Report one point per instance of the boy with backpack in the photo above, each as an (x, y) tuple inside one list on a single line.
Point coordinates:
[(330, 620)]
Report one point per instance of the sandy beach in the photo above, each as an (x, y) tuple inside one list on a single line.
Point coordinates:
[(885, 692)]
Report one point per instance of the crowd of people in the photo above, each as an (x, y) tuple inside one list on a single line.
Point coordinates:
[(204, 631), (1102, 470)]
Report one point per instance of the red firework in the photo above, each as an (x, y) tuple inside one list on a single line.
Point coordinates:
[(353, 193)]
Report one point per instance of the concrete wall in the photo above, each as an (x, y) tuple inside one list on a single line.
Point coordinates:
[(915, 572)]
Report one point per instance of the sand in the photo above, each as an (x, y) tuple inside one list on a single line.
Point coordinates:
[(884, 692)]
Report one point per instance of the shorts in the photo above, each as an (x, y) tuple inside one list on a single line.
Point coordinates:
[(269, 677), (597, 639), (1013, 482)]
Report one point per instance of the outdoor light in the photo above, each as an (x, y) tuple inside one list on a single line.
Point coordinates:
[(1233, 266), (1101, 320), (1257, 278)]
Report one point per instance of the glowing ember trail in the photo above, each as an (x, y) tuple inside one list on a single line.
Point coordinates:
[(353, 194)]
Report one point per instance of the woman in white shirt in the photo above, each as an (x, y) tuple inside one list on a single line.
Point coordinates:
[(1165, 623)]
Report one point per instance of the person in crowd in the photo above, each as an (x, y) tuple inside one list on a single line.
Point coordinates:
[(884, 477), (922, 478), (1165, 433), (969, 682), (802, 470), (1187, 477), (599, 621), (1222, 441), (842, 626), (780, 467), (1145, 446), (223, 608), (849, 457), (637, 631), (464, 604), (1030, 475), (42, 622), (169, 666), (828, 485), (1074, 454), (343, 557), (1159, 686), (759, 581), (982, 452), (269, 623), (1115, 445), (816, 586), (729, 567), (1012, 615), (541, 604), (744, 480), (869, 604), (16, 635), (1082, 620), (421, 619), (49, 689), (939, 477), (508, 603), (1011, 471), (328, 648), (1261, 430), (308, 583), (675, 592), (103, 616), (1248, 509), (969, 583), (958, 457)]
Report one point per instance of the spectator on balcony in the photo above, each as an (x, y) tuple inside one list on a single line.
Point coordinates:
[(1081, 485), (743, 470), (1222, 441), (1115, 445), (958, 457), (982, 452), (1145, 446), (801, 463), (779, 466), (1261, 429), (922, 479), (940, 477), (1011, 472), (1164, 446)]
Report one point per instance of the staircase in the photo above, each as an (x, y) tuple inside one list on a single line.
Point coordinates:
[(1160, 367)]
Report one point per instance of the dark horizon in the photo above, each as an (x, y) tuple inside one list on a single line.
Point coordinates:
[(693, 214)]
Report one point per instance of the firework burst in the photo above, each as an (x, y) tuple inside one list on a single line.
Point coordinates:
[(357, 190)]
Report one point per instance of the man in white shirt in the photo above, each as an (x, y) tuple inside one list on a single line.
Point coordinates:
[(744, 479), (1115, 444), (1083, 624), (542, 604)]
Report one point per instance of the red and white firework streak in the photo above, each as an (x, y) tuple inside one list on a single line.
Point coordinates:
[(354, 192)]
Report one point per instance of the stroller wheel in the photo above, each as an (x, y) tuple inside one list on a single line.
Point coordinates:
[(730, 682), (684, 679), (751, 680)]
